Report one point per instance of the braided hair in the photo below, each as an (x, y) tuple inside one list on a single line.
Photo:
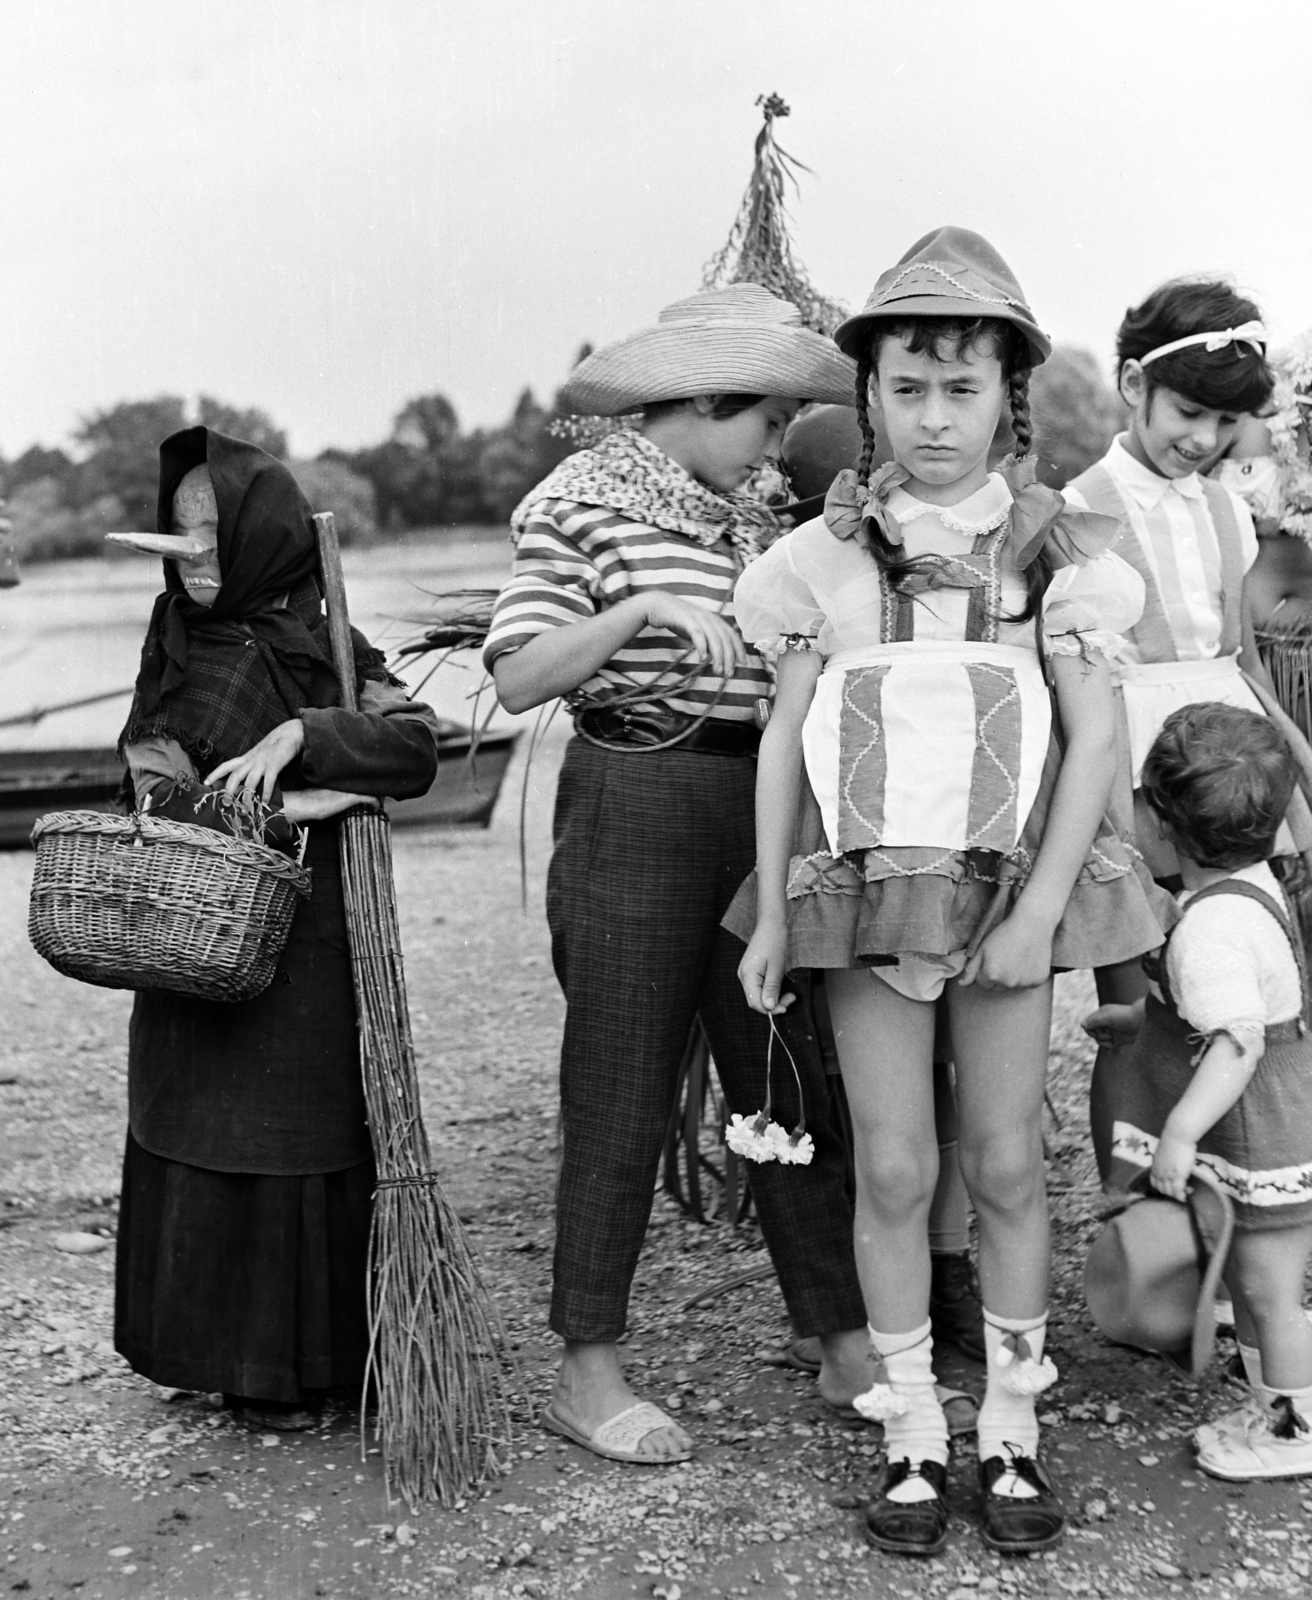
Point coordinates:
[(928, 335)]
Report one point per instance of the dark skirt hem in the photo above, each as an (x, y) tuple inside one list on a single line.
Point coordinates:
[(242, 1283)]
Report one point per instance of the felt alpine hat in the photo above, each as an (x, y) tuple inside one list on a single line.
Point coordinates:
[(739, 340), (951, 272), (1151, 1275)]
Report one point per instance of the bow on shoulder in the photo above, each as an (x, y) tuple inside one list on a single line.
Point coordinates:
[(1040, 518)]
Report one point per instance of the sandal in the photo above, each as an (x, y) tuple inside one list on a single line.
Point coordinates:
[(1016, 1526), (914, 1527), (618, 1438)]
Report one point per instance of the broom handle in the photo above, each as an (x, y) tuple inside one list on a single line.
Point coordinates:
[(334, 598)]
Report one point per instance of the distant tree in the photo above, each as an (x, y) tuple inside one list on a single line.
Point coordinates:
[(427, 423), (248, 423), (329, 484), (122, 453), (1076, 414), (426, 473), (38, 462), (509, 462), (47, 528)]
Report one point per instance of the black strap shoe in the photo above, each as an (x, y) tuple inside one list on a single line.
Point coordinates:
[(1016, 1526), (916, 1528), (955, 1312)]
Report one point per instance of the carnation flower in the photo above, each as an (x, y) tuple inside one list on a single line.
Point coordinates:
[(760, 1139)]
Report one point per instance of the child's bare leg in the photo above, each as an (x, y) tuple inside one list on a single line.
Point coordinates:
[(1121, 985), (1002, 1060), (885, 1043), (1266, 1274)]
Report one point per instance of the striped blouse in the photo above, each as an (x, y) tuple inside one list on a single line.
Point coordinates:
[(572, 561), (1172, 522)]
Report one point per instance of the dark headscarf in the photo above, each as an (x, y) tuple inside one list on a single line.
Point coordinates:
[(218, 678)]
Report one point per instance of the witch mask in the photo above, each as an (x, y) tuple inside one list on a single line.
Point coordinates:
[(194, 542)]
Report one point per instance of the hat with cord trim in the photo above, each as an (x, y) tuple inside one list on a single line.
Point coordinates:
[(951, 272)]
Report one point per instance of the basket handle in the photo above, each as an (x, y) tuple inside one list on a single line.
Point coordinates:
[(339, 616)]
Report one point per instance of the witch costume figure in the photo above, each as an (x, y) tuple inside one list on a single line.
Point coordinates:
[(248, 1177)]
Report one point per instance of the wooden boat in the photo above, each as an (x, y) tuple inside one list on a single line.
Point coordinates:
[(33, 782)]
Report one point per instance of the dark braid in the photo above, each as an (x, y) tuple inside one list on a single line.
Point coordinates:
[(864, 368), (1018, 393)]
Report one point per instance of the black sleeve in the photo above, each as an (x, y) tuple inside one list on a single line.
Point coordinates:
[(388, 748)]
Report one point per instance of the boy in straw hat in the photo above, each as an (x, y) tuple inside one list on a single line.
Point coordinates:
[(620, 601)]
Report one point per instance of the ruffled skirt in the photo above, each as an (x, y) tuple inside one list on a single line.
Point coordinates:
[(872, 907)]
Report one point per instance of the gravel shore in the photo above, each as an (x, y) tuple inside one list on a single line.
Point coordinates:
[(110, 1487)]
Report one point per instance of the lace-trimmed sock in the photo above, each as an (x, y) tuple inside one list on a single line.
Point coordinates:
[(1017, 1372), (915, 1428)]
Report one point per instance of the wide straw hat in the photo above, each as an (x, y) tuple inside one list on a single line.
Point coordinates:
[(739, 340), (951, 272), (1151, 1275)]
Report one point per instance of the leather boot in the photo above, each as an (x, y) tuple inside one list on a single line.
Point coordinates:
[(955, 1311)]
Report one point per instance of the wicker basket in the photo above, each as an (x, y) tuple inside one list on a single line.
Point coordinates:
[(143, 903)]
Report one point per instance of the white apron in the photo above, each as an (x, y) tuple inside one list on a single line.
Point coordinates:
[(933, 744)]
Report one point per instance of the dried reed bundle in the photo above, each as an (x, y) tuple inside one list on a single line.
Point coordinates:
[(1286, 651), (438, 1352), (463, 619), (759, 248)]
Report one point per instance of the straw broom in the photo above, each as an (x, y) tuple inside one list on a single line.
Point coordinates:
[(437, 1347)]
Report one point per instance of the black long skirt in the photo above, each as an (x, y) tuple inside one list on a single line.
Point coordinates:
[(244, 1283)]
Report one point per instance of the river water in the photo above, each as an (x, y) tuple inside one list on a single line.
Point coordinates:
[(73, 629)]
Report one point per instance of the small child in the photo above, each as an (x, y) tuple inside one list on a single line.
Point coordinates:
[(1218, 779)]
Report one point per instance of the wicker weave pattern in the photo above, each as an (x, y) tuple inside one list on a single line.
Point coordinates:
[(144, 903)]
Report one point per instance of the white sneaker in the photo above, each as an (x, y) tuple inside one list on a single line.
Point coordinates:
[(1259, 1444)]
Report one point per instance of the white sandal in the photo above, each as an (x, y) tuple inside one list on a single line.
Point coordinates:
[(618, 1438)]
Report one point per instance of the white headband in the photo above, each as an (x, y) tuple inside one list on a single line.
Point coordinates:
[(1249, 333)]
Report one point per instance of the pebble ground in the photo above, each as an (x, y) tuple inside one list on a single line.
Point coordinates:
[(112, 1488)]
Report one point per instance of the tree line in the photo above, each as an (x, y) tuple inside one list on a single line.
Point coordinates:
[(428, 473)]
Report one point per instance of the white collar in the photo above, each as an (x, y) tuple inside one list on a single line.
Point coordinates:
[(980, 512), (1147, 487)]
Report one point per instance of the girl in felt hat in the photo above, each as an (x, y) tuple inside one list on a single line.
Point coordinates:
[(926, 826), (248, 1177), (625, 561)]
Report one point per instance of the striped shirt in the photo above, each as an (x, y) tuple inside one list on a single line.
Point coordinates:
[(572, 561), (1171, 519)]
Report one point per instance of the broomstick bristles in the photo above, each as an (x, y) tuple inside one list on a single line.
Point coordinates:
[(438, 1353)]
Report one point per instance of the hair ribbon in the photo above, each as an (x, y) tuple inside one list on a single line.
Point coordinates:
[(1249, 333)]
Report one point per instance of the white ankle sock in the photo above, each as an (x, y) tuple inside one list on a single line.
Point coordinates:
[(1017, 1371), (915, 1427), (1252, 1360)]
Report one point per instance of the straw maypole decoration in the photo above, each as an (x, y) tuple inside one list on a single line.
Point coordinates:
[(759, 248), (437, 1347)]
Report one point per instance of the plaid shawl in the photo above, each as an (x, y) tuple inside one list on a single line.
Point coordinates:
[(218, 678)]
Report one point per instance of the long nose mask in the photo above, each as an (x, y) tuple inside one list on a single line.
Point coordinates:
[(177, 546), (194, 542)]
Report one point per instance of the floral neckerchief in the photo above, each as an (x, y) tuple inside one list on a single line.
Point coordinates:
[(627, 473)]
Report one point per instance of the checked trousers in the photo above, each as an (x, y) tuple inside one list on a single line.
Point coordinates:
[(649, 850)]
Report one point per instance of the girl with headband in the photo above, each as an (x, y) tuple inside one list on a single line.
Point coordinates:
[(926, 825), (1191, 363)]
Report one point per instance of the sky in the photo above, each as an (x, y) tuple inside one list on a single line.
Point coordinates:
[(326, 207)]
